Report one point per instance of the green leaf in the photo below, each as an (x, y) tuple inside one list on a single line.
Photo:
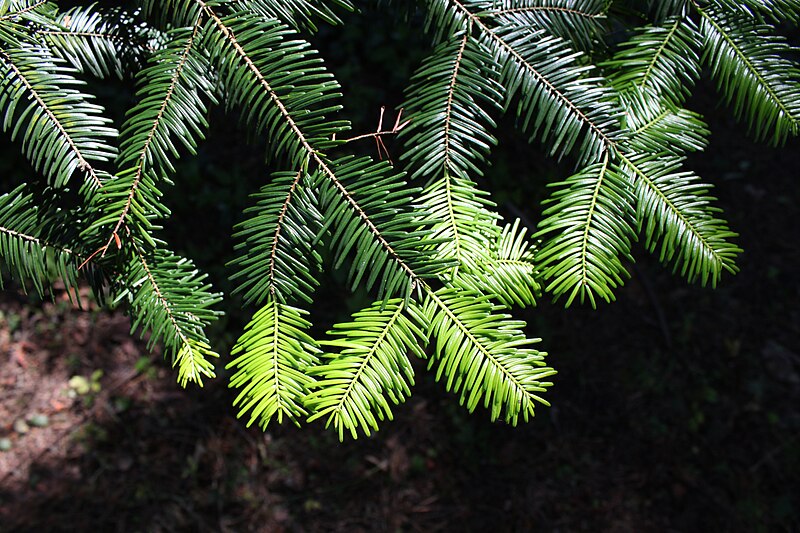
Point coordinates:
[(589, 228), (674, 212), (278, 259), (170, 113), (272, 359), (484, 355), (172, 13), (369, 369), (556, 99), (447, 139), (298, 13), (747, 60), (100, 42), (657, 126), (428, 246), (444, 20), (60, 131), (448, 128), (662, 60), (29, 242), (664, 9), (372, 218), (509, 274), (776, 10), (280, 82), (169, 299), (463, 228), (577, 21)]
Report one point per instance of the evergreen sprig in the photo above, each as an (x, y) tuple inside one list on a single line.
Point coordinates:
[(28, 242), (369, 368), (599, 84), (448, 138), (748, 62), (100, 43), (272, 359), (60, 130), (577, 21)]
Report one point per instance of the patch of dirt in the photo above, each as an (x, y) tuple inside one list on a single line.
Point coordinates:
[(42, 349)]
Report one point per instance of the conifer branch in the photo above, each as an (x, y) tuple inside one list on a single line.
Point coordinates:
[(83, 164), (39, 242), (144, 153), (28, 9), (513, 52), (438, 264), (312, 155), (648, 72), (539, 9), (751, 68), (452, 222)]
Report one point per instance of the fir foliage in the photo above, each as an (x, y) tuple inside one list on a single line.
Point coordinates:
[(29, 245), (601, 85)]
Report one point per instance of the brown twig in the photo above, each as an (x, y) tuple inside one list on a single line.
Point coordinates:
[(380, 132)]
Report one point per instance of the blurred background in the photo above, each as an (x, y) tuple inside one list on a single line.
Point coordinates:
[(676, 408)]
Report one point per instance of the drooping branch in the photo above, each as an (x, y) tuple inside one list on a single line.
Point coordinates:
[(312, 154)]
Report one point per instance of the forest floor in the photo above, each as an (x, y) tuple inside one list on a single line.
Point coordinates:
[(676, 408)]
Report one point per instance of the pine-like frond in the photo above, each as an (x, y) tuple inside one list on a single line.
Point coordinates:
[(29, 250), (665, 9), (449, 127), (588, 230), (657, 126), (171, 109), (444, 20), (60, 130), (170, 114), (172, 13), (674, 212), (748, 61), (434, 256), (300, 14), (448, 139), (370, 368), (484, 355), (15, 19), (281, 82), (577, 21), (509, 274), (272, 359), (463, 227), (169, 299), (278, 259), (34, 11), (372, 216), (98, 42), (776, 10), (556, 99), (661, 59), (287, 92)]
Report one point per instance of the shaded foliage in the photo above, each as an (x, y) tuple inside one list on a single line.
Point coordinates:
[(437, 261)]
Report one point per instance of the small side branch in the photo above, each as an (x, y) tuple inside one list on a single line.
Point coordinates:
[(380, 132), (15, 14)]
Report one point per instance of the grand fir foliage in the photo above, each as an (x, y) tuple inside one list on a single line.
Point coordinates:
[(443, 267)]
